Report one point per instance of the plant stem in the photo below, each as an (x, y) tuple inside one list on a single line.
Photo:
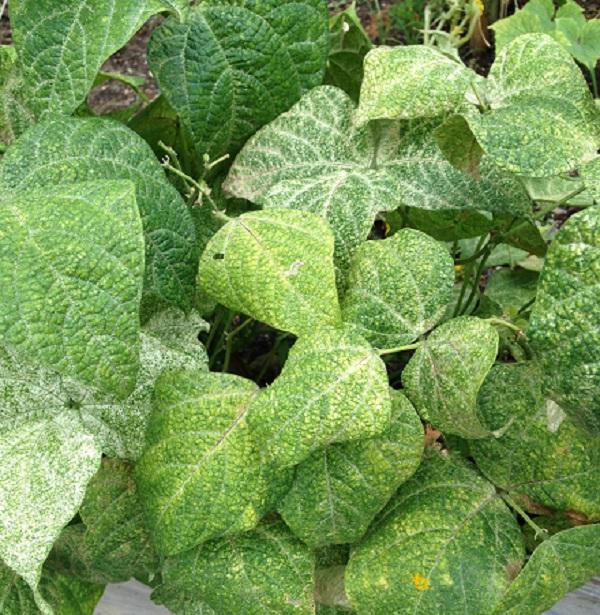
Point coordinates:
[(594, 80), (475, 288), (385, 351), (504, 323), (263, 370), (539, 531), (229, 343)]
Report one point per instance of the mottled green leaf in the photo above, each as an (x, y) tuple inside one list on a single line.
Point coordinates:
[(200, 475), (45, 465), (114, 545), (333, 388), (71, 270), (65, 150), (264, 572), (449, 224), (550, 461), (349, 45), (565, 322), (233, 66), (180, 601), (590, 174), (558, 566), (541, 120), (62, 46), (445, 545), (339, 489), (411, 81), (275, 266), (444, 375), (314, 158), (398, 288), (66, 595)]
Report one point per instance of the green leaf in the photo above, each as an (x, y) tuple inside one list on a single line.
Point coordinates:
[(409, 82), (71, 269), (62, 47), (446, 544), (564, 327), (45, 465), (200, 476), (535, 16), (66, 150), (66, 595), (444, 375), (449, 224), (542, 118), (233, 66), (590, 173), (558, 566), (349, 45), (113, 545), (314, 158), (333, 388), (339, 489), (180, 602), (275, 266), (459, 146), (264, 571), (512, 289), (398, 288), (548, 460)]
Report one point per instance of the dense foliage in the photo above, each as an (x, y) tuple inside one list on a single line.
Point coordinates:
[(430, 439)]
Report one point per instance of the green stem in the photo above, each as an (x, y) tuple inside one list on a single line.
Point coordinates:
[(229, 336), (552, 205), (263, 370), (539, 531), (504, 323), (475, 288), (594, 80), (385, 351)]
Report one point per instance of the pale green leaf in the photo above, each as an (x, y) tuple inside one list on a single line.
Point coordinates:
[(541, 120), (349, 45), (398, 288), (275, 266), (264, 572), (445, 545), (62, 46), (551, 462), (333, 388), (233, 66), (411, 81), (339, 489), (67, 150), (44, 467), (535, 16), (66, 595), (443, 377), (558, 566), (200, 475), (590, 173), (314, 158), (564, 327), (71, 270), (512, 289), (111, 545)]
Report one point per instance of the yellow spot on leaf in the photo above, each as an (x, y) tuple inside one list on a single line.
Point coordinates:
[(421, 583), (382, 582)]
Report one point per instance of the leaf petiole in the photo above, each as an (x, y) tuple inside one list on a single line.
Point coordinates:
[(540, 532), (386, 351)]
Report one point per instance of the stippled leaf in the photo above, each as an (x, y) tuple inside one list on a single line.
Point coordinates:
[(314, 158), (590, 173), (275, 266), (551, 462), (565, 321), (113, 545), (446, 544), (349, 45), (200, 475), (559, 565), (65, 150), (398, 288), (62, 46), (180, 601), (409, 82), (541, 120), (71, 270), (233, 66), (333, 388), (44, 467), (264, 572), (339, 489), (65, 594), (444, 375)]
